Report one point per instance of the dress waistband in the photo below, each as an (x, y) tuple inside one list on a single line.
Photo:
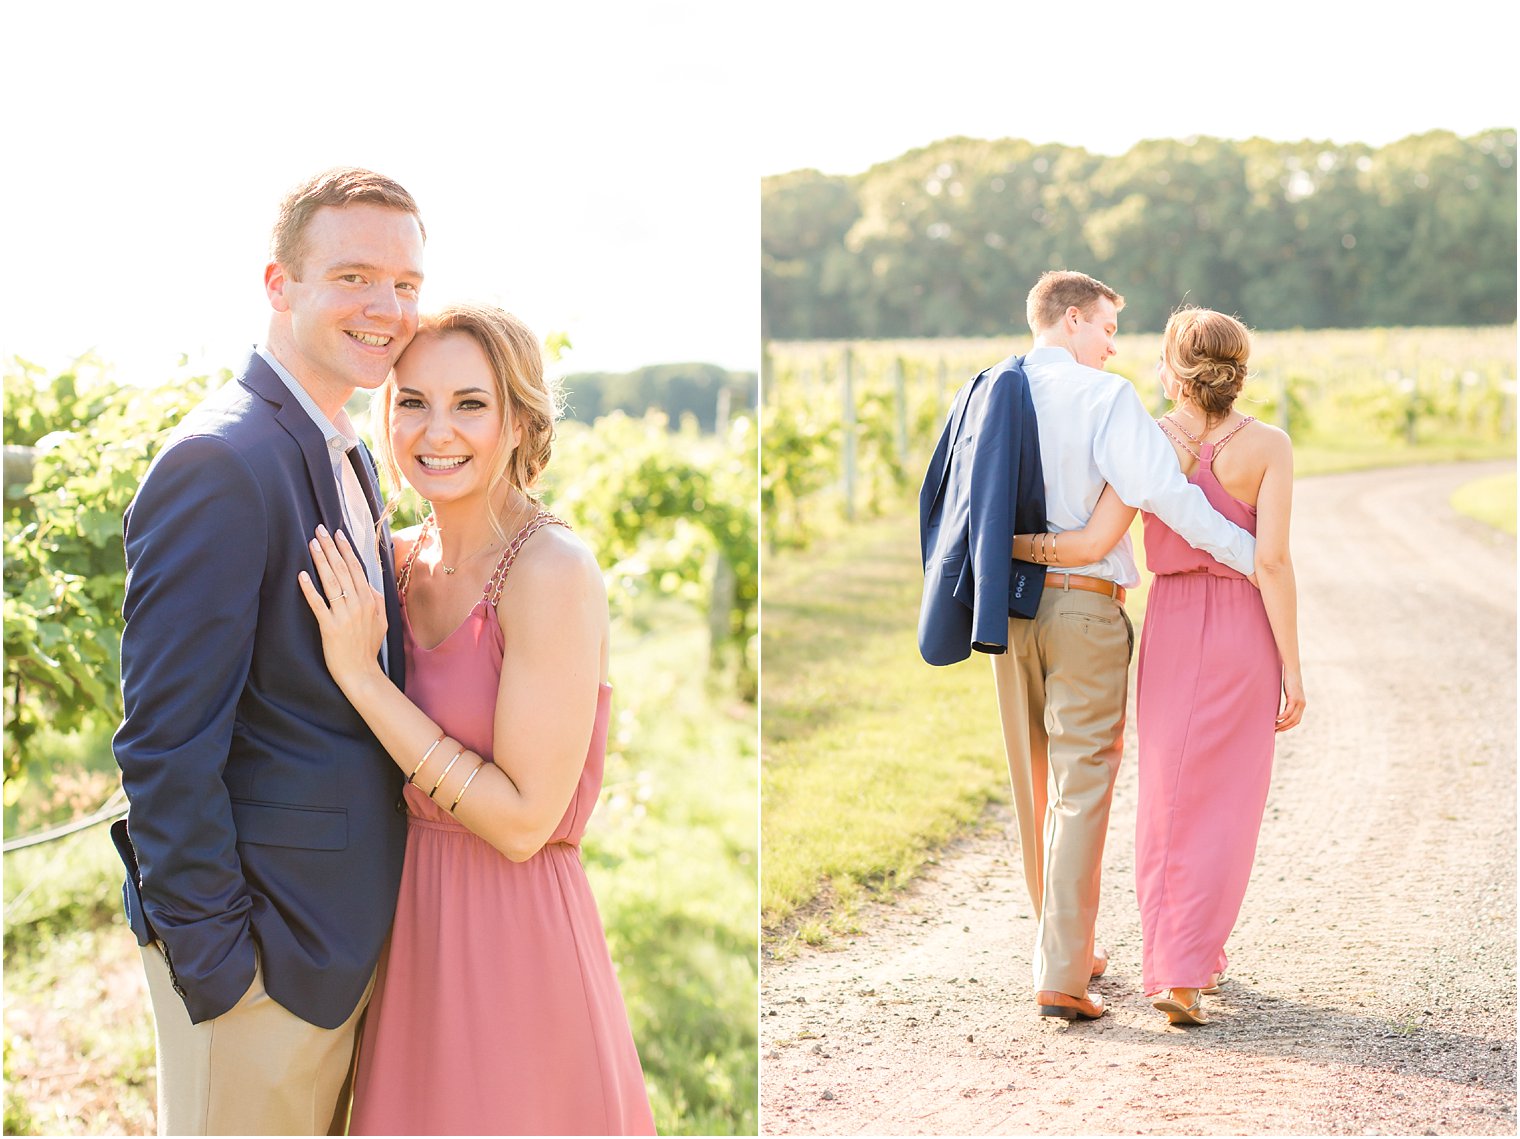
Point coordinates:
[(1207, 573)]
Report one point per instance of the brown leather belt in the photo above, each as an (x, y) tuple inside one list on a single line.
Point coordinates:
[(1078, 581)]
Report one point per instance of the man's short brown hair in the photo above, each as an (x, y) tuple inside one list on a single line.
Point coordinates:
[(1058, 290), (340, 186)]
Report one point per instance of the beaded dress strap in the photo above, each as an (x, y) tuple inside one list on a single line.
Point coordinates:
[(1221, 442), (404, 574), (503, 567), (1209, 449), (1183, 443)]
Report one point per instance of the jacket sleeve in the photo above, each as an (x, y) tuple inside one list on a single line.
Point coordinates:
[(196, 537), (994, 469), (1133, 455)]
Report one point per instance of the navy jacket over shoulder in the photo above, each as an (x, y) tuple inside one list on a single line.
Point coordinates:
[(983, 486), (263, 812)]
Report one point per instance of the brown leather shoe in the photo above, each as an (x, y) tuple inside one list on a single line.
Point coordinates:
[(1052, 1003), (1100, 961)]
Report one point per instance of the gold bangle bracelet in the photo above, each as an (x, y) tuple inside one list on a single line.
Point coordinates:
[(446, 771), (441, 737), (466, 786)]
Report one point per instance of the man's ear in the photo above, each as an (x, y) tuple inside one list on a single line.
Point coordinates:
[(275, 280)]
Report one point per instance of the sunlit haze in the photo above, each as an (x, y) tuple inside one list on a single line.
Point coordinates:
[(575, 163), (1105, 75)]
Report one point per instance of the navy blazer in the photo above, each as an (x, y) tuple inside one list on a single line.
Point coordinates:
[(984, 485), (264, 816)]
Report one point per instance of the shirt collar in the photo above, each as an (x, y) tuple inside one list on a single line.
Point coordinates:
[(340, 436), (1049, 354)]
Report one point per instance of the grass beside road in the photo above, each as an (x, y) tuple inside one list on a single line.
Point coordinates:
[(1490, 500), (870, 757)]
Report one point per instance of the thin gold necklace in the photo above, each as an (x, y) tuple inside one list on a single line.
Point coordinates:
[(438, 531)]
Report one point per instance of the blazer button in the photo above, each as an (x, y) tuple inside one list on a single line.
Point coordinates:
[(401, 805)]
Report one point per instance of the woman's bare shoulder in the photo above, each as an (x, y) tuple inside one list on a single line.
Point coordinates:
[(1264, 439), (555, 569)]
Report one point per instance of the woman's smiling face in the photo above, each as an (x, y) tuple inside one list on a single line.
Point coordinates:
[(447, 419)]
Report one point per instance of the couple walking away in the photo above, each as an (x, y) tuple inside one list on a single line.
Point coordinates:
[(356, 795), (1046, 457)]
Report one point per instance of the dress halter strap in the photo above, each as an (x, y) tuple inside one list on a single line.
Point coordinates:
[(1208, 450), (499, 578)]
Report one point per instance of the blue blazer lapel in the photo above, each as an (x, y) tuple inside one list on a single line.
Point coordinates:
[(290, 415), (261, 379)]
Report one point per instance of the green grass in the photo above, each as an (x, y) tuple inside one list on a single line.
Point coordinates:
[(672, 857), (1490, 500), (871, 757), (671, 854)]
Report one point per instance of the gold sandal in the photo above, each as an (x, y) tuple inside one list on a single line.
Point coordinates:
[(1179, 1013)]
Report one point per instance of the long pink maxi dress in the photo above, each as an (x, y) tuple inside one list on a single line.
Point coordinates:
[(496, 1010), (1208, 694)]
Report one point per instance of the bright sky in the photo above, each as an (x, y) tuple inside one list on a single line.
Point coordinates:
[(594, 166), (574, 162), (866, 82)]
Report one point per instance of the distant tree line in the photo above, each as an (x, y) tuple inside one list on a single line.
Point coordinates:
[(947, 239), (704, 391)]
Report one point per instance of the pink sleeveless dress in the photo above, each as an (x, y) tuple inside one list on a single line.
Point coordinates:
[(1208, 692), (496, 1009)]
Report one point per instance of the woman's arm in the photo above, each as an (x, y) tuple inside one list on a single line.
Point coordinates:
[(1274, 572), (555, 606), (1110, 519)]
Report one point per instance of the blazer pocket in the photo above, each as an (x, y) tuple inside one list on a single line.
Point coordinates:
[(276, 824)]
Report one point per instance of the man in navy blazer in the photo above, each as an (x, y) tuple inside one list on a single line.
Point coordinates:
[(263, 839), (984, 485)]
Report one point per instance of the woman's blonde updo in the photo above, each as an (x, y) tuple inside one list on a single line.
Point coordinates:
[(1207, 352), (527, 396)]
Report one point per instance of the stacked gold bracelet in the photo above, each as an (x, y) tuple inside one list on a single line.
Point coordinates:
[(1041, 551), (447, 768)]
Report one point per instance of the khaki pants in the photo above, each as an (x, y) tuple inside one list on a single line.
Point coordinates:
[(257, 1069), (1061, 691)]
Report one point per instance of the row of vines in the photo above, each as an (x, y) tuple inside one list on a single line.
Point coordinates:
[(847, 427)]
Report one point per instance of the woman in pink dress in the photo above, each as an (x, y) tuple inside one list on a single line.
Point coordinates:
[(1219, 669), (496, 1009)]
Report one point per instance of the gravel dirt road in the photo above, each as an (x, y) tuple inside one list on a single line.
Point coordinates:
[(1372, 983)]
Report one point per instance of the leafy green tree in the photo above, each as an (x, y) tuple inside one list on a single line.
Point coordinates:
[(947, 239), (806, 274), (91, 440)]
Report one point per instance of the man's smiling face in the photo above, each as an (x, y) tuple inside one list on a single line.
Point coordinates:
[(353, 306)]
